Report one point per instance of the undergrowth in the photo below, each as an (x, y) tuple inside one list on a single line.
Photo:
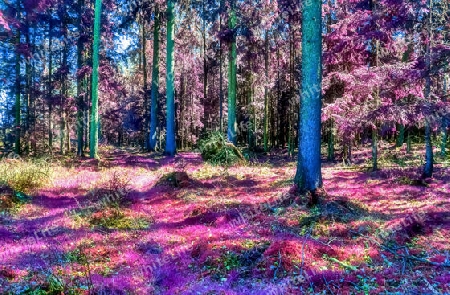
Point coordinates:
[(24, 176), (216, 150)]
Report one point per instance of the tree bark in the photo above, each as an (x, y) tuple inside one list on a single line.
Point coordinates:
[(170, 148), (266, 93), (155, 84), (232, 79), (95, 63), (428, 167), (17, 122), (309, 175), (50, 87)]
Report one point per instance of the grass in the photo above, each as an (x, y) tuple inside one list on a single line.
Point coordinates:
[(115, 219), (335, 246), (25, 176)]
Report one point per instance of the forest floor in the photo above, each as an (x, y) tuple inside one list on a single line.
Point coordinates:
[(147, 224)]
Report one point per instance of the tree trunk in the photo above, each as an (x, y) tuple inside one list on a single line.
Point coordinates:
[(444, 134), (63, 122), (145, 88), (309, 175), (17, 122), (95, 63), (330, 151), (155, 84), (80, 101), (400, 136), (232, 79), (376, 44), (266, 94), (170, 80), (428, 168), (220, 72), (205, 73), (28, 87), (50, 87)]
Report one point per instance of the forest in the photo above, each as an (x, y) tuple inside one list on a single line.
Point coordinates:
[(224, 147)]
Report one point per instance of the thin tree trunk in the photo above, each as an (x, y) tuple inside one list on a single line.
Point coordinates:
[(400, 136), (80, 100), (50, 88), (32, 98), (28, 87), (232, 79), (266, 94), (170, 148), (428, 168), (155, 84), (377, 101), (63, 126), (220, 72), (17, 122), (95, 63), (145, 88), (444, 134), (205, 73)]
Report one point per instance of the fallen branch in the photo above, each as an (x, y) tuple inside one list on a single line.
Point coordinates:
[(406, 256), (235, 149), (414, 258)]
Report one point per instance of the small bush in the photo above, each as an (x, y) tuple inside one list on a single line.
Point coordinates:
[(112, 192), (9, 199), (24, 176), (218, 151), (175, 179), (115, 219)]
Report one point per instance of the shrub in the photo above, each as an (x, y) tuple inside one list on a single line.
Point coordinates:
[(9, 199), (218, 151), (112, 192), (115, 219), (24, 176), (175, 179)]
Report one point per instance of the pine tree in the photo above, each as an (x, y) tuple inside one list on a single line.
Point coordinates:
[(170, 80), (95, 62), (309, 176)]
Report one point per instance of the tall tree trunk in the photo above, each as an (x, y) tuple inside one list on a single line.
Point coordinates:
[(376, 45), (331, 130), (170, 80), (63, 123), (428, 168), (309, 175), (145, 88), (232, 79), (50, 87), (80, 100), (32, 97), (291, 92), (205, 72), (28, 87), (17, 122), (279, 141), (375, 128), (95, 63), (155, 84), (251, 108), (220, 72), (266, 93), (444, 134), (86, 116)]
